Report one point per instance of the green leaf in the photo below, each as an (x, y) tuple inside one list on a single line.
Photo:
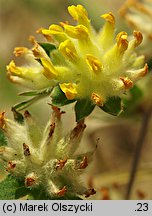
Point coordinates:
[(3, 173), (135, 95), (136, 92), (21, 190), (24, 104), (8, 188), (131, 101), (83, 108), (12, 188), (2, 138), (113, 106), (47, 47), (58, 97), (39, 193), (39, 95), (36, 92)]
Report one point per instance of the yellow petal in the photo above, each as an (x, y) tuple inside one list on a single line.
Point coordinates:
[(56, 31), (107, 33), (67, 48), (53, 30), (139, 38), (79, 14), (137, 74), (143, 72), (122, 42), (49, 70), (18, 51), (78, 32), (109, 17), (12, 68), (94, 64), (69, 89), (48, 37)]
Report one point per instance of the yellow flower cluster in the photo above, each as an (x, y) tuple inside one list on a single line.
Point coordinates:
[(85, 63)]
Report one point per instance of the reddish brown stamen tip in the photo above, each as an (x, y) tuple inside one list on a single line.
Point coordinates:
[(57, 111), (145, 70), (29, 182), (90, 192), (84, 163), (26, 150), (127, 82), (105, 193), (60, 164), (140, 194), (62, 191), (11, 166), (52, 127), (27, 114)]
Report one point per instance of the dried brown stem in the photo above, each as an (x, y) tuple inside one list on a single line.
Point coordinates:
[(138, 150)]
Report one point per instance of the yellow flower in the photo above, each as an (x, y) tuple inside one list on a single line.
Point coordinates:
[(69, 89), (89, 64), (31, 73), (100, 63)]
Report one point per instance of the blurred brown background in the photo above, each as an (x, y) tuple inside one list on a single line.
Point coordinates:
[(21, 18)]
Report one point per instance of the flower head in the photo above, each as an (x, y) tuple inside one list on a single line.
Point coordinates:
[(87, 64), (138, 15), (31, 73), (45, 159)]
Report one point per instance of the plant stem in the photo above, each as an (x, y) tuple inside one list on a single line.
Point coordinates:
[(138, 150)]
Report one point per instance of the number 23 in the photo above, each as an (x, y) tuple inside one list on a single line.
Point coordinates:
[(142, 207)]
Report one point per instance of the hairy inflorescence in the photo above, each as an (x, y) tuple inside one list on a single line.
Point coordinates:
[(45, 158)]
